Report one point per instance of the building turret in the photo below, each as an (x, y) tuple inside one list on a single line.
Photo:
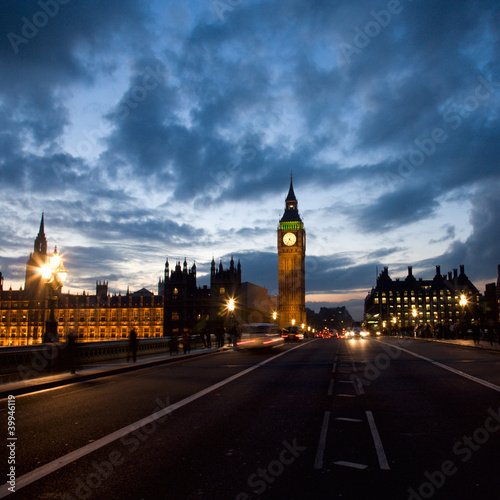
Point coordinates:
[(33, 283)]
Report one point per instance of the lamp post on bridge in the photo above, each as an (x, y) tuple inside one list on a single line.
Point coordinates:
[(54, 275)]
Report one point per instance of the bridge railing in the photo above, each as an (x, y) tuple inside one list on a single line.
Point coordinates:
[(29, 361)]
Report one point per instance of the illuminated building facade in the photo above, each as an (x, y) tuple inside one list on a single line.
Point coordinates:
[(492, 302), (405, 304), (178, 305)]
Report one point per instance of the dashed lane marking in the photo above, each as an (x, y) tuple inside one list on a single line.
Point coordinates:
[(351, 464)]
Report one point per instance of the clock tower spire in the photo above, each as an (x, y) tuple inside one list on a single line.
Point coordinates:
[(291, 264)]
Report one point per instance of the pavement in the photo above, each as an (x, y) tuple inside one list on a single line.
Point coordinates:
[(483, 344), (90, 372)]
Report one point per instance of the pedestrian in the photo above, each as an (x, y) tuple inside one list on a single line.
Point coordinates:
[(219, 334), (233, 332), (72, 351), (208, 338), (476, 334), (489, 335), (186, 342), (132, 345), (174, 345)]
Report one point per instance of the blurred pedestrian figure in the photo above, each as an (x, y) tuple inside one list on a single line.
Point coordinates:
[(174, 345), (204, 337), (219, 334), (132, 345), (72, 351), (452, 330), (489, 335), (476, 334), (233, 332), (209, 338), (186, 342)]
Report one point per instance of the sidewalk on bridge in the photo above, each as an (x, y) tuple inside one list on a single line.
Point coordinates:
[(483, 344), (89, 372)]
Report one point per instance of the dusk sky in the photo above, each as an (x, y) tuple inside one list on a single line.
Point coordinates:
[(147, 130)]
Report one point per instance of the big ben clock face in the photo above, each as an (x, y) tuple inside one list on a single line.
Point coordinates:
[(289, 239)]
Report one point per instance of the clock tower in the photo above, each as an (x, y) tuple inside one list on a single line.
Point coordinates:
[(291, 265)]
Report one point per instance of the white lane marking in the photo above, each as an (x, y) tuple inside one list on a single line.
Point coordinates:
[(47, 469), (351, 464), (382, 459), (449, 368), (346, 395), (330, 389), (345, 419), (320, 452)]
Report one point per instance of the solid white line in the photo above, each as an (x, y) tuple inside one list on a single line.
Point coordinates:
[(382, 459), (351, 464), (449, 368), (318, 462), (345, 419), (346, 395), (47, 469)]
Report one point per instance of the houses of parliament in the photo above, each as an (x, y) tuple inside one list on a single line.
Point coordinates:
[(179, 304)]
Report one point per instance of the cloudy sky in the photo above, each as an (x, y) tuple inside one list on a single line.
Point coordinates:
[(147, 130)]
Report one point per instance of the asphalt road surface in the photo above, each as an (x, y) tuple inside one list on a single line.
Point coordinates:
[(325, 419)]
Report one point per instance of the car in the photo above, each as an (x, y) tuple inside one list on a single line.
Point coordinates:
[(293, 333), (357, 333), (259, 336)]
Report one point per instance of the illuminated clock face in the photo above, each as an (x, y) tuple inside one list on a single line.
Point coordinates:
[(289, 239)]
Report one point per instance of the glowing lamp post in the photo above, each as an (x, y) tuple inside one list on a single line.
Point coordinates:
[(54, 275), (462, 302)]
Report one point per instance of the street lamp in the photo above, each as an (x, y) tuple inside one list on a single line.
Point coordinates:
[(414, 313), (54, 274), (462, 302)]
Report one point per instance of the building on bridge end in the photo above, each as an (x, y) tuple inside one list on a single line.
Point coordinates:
[(446, 301)]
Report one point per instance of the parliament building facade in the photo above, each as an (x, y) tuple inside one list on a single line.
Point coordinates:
[(179, 305)]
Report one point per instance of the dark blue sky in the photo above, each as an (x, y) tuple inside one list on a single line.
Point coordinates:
[(154, 129)]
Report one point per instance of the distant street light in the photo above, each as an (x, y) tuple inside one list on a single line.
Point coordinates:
[(462, 302), (54, 275)]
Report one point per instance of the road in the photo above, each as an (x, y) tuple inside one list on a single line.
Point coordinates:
[(329, 418)]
